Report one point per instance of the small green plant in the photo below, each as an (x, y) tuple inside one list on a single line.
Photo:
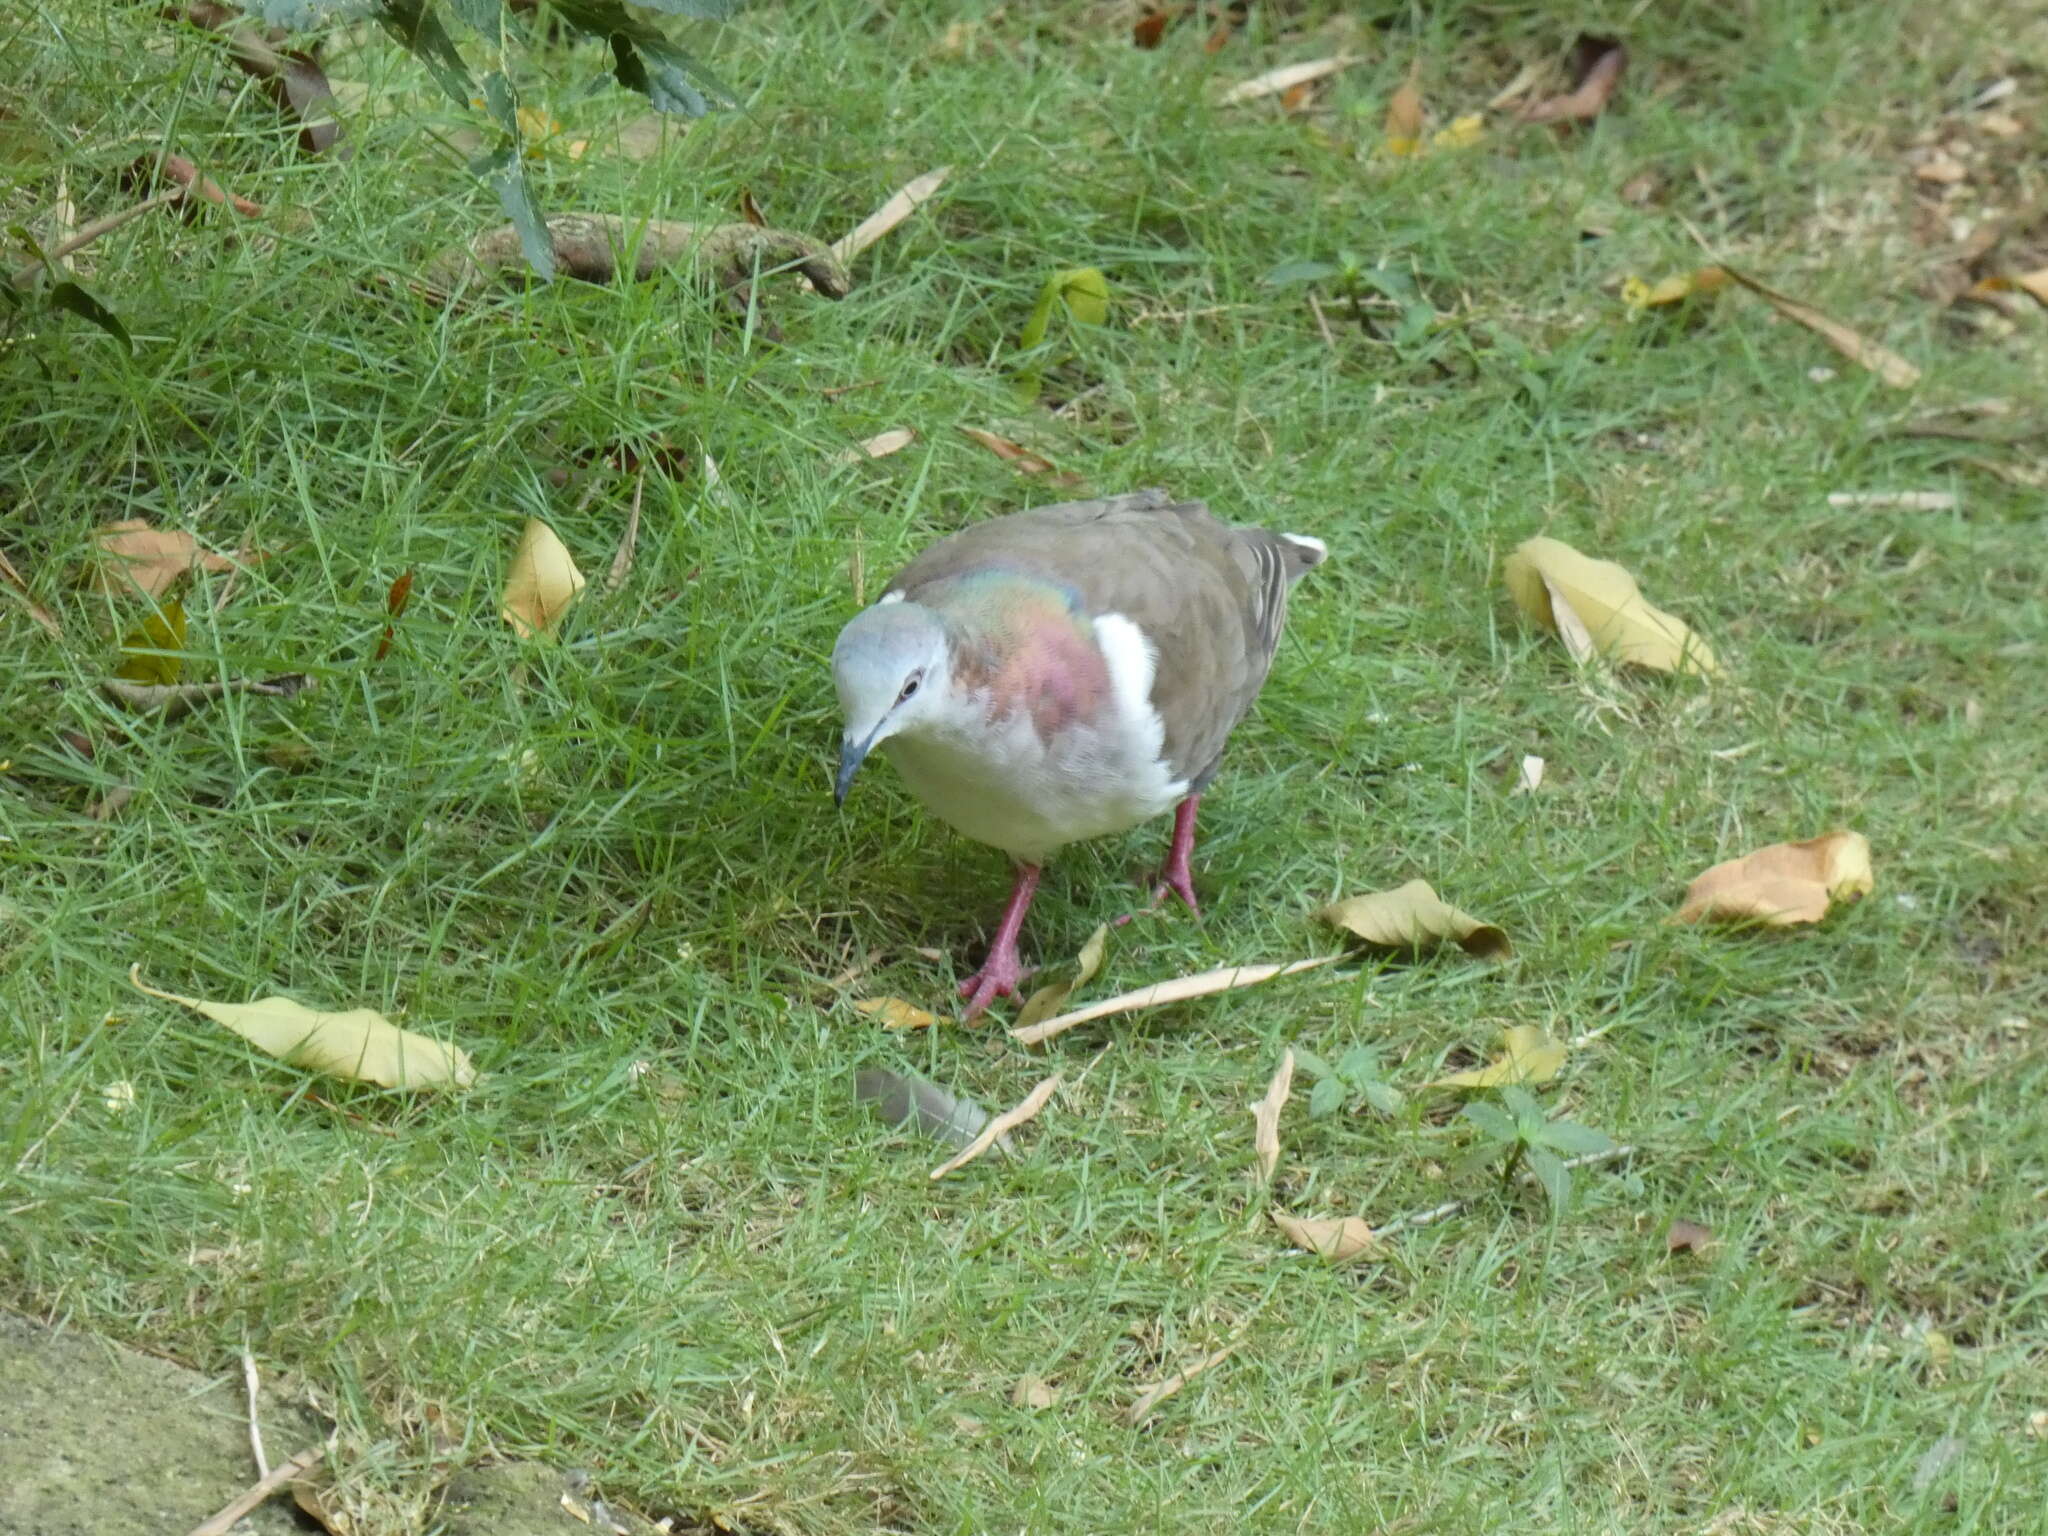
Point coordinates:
[(1355, 1079), (1349, 279), (1516, 1131)]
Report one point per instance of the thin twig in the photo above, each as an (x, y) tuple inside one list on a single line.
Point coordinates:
[(23, 276), (1322, 321), (257, 1492), (255, 1429)]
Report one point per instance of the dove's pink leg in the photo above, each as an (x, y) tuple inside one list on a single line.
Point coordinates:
[(1174, 874), (1004, 968)]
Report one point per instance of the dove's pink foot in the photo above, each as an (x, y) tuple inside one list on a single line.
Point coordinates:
[(1004, 967), (1174, 875)]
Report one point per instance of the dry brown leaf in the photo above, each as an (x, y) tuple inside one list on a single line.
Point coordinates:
[(1783, 884), (184, 173), (1879, 359), (1266, 1116), (1523, 82), (1412, 917), (751, 210), (880, 446), (1001, 1126), (36, 610), (1335, 1238), (2035, 283), (1277, 82), (1046, 1001), (1899, 501), (1404, 115), (1596, 605), (133, 554), (1032, 1392), (894, 1013), (360, 1044), (1179, 990), (629, 541), (112, 804), (1687, 1237), (541, 584), (1528, 1055), (1942, 168), (1159, 1392), (1020, 458), (1150, 28), (885, 218), (1297, 99), (1596, 71)]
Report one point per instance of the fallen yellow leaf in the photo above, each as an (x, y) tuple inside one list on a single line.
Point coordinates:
[(880, 446), (1783, 884), (1001, 1126), (894, 1013), (1277, 82), (1529, 1055), (1179, 990), (1266, 1116), (1336, 1239), (1595, 605), (1412, 917), (360, 1043), (542, 582), (1046, 1001), (151, 651), (1639, 295), (1404, 115), (1462, 133)]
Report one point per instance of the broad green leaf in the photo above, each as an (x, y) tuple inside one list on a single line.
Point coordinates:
[(1521, 1103), (1326, 1098), (1412, 917), (1529, 1056), (69, 296), (418, 29), (1573, 1139), (1384, 1097), (1359, 1063), (153, 651), (360, 1044), (1552, 1174), (1083, 290), (1491, 1119), (1312, 1064)]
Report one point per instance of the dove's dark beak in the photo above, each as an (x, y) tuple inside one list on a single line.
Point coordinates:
[(851, 756)]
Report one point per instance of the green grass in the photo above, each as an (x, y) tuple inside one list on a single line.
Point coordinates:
[(659, 1240)]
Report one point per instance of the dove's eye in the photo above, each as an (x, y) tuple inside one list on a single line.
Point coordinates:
[(910, 687)]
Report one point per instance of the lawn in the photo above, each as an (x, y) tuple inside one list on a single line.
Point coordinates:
[(659, 1239)]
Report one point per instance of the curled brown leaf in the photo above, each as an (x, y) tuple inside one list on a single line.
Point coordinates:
[(1597, 65)]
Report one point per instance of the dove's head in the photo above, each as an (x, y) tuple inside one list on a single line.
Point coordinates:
[(892, 667)]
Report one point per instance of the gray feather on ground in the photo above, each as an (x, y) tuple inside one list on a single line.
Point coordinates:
[(904, 1097)]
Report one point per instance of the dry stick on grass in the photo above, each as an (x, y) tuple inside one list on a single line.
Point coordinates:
[(1001, 1126), (1154, 1395), (250, 1384), (1322, 321), (23, 276), (231, 1513), (1179, 989)]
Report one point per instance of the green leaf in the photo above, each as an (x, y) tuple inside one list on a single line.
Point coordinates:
[(82, 304), (1359, 1063), (702, 10), (1290, 273), (645, 60), (153, 651), (1491, 1121), (1520, 1102), (1083, 290), (1573, 1139), (1306, 1060), (1552, 1174), (1384, 1097), (419, 31), (1326, 1098), (1478, 1160), (486, 16)]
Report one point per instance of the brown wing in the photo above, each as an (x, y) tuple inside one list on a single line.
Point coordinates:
[(1211, 597)]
